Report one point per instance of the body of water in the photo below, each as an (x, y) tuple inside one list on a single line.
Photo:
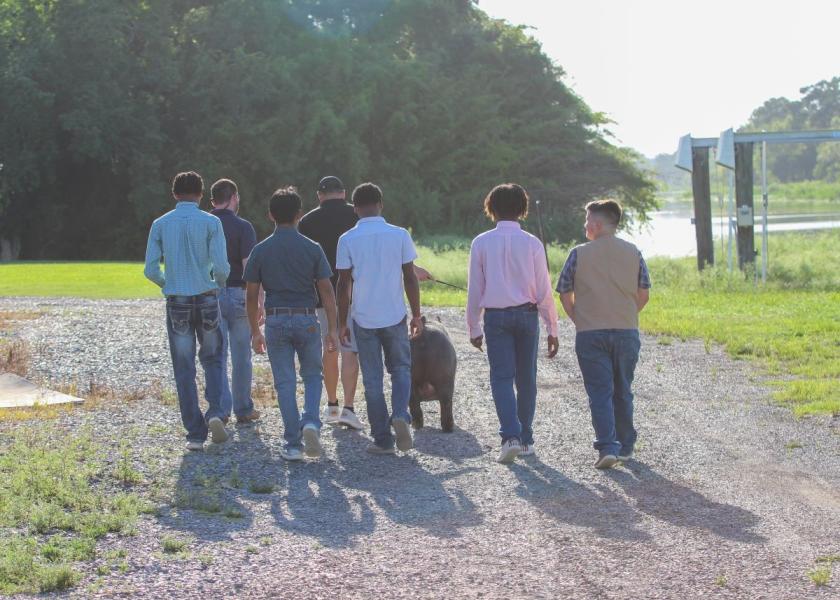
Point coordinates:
[(670, 231)]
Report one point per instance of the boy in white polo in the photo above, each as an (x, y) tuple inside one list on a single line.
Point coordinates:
[(376, 260)]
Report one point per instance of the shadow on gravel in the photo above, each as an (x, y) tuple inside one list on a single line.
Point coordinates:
[(679, 505), (403, 490), (606, 513), (457, 446)]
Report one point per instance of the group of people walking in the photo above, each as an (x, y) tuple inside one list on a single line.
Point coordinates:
[(329, 288)]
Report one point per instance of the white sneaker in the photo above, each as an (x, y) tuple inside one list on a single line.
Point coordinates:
[(218, 433), (510, 450), (349, 418), (608, 461), (195, 446), (331, 414), (291, 453), (527, 450), (311, 441), (403, 431)]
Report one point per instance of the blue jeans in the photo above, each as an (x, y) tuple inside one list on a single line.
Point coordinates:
[(236, 338), (607, 359), (393, 342), (285, 336), (188, 318), (513, 336)]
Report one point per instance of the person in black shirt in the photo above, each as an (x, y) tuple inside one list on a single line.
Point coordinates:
[(325, 224), (240, 238)]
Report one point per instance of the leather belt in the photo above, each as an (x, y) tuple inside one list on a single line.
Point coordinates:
[(289, 311)]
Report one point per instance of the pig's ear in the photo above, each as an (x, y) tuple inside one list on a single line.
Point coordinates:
[(438, 319), (423, 319)]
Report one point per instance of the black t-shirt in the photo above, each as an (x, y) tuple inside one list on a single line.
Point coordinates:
[(240, 238), (326, 224)]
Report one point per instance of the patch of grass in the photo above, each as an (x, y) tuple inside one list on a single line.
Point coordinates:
[(206, 560), (54, 504), (793, 445), (266, 540), (15, 357), (830, 559), (174, 545), (103, 570), (76, 279), (124, 470), (232, 512), (721, 580), (664, 340), (261, 487), (821, 576), (252, 550), (234, 480)]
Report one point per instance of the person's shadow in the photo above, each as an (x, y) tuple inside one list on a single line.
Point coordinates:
[(605, 513), (406, 492), (457, 446), (681, 506)]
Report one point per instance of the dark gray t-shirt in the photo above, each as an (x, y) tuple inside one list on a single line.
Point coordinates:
[(288, 264)]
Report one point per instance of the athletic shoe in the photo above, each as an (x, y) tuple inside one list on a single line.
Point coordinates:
[(510, 450), (331, 414), (527, 450), (608, 461), (218, 433), (194, 446), (254, 415), (403, 431), (291, 453), (379, 450), (349, 418), (311, 441)]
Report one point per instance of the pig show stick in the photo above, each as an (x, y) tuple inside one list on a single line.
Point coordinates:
[(452, 285)]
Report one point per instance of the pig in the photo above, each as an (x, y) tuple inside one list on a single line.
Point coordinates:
[(433, 365)]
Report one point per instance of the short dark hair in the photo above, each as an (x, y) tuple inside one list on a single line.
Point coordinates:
[(508, 201), (222, 191), (285, 204), (609, 210), (188, 183), (367, 194)]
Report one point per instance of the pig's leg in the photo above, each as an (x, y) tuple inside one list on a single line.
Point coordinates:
[(415, 410), (447, 423)]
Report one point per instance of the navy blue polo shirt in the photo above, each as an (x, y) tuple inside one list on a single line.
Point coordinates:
[(288, 264), (240, 238)]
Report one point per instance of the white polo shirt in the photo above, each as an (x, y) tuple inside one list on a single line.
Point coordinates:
[(376, 252)]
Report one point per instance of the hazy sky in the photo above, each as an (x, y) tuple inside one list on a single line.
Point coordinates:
[(664, 68)]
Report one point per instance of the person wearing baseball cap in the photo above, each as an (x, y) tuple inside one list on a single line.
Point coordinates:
[(325, 224)]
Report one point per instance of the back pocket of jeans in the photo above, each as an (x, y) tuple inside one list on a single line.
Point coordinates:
[(210, 319), (179, 319)]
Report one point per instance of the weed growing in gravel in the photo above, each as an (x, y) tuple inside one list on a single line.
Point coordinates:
[(206, 560), (261, 487), (124, 470), (173, 545), (15, 357), (232, 512), (266, 541), (793, 445), (252, 550), (720, 580), (830, 559), (234, 480), (820, 575), (54, 505)]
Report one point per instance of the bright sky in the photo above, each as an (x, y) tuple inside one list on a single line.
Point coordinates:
[(664, 68)]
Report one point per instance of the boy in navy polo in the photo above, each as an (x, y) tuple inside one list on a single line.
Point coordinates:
[(289, 266)]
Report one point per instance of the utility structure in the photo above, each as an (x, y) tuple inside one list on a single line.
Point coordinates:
[(734, 151)]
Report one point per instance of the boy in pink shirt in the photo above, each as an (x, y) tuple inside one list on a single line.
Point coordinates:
[(509, 283)]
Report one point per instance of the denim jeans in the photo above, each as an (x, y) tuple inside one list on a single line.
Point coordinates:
[(393, 342), (285, 336), (513, 336), (607, 359), (188, 318), (236, 338)]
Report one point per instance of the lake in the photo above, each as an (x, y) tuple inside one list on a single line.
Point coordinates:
[(670, 231)]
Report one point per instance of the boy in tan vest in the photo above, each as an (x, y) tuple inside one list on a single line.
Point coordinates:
[(603, 287)]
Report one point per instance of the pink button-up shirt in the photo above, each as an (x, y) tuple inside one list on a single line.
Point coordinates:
[(508, 268)]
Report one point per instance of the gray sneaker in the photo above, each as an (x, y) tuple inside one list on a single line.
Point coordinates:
[(349, 418), (510, 450), (625, 456), (218, 433), (379, 450), (608, 461), (403, 431), (291, 453), (311, 441), (527, 450), (195, 446)]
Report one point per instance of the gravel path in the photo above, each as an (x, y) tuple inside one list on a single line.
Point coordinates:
[(730, 496)]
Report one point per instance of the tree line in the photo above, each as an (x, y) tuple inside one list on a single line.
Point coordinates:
[(103, 101)]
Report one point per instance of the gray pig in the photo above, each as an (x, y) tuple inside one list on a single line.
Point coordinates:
[(433, 364)]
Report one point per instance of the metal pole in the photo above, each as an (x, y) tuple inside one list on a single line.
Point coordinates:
[(764, 232), (731, 225), (542, 233)]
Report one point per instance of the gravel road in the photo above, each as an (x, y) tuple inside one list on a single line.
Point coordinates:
[(729, 495)]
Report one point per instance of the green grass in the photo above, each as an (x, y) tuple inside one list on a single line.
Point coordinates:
[(109, 280), (55, 503)]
